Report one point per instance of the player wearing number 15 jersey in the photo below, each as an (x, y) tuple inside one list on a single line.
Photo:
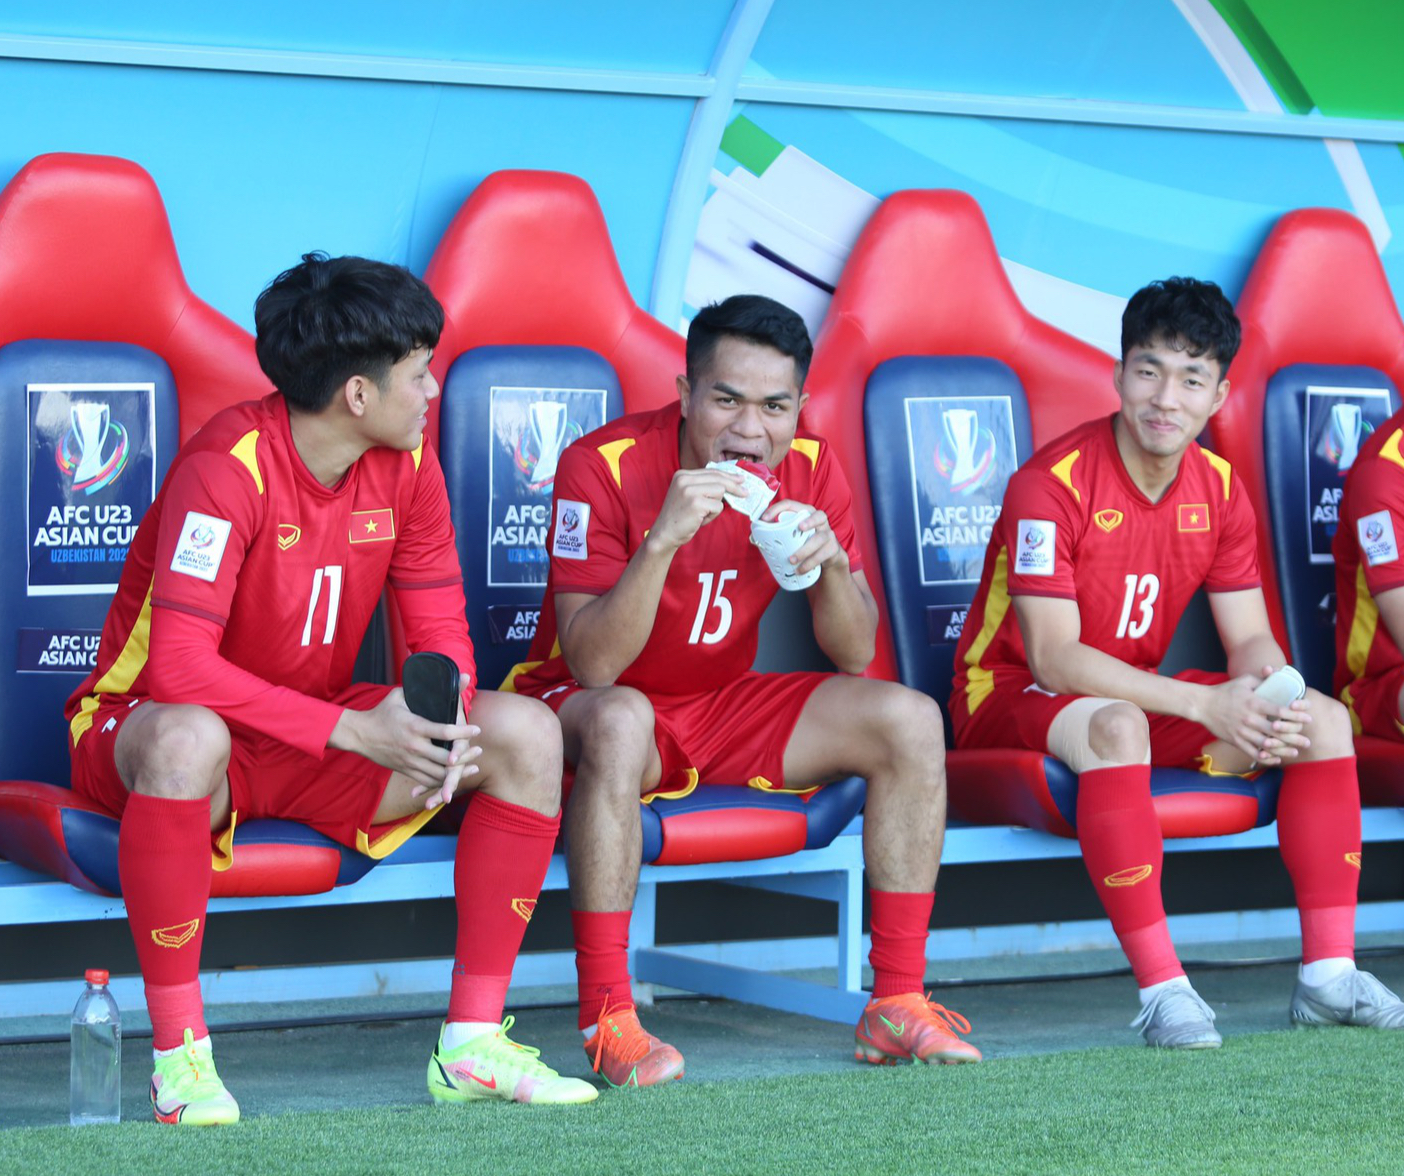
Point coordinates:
[(223, 687), (647, 635), (1104, 536)]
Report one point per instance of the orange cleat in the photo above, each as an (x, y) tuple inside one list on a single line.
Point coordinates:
[(912, 1028), (623, 1054)]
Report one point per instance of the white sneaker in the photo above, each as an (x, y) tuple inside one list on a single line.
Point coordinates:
[(1176, 1018), (1352, 998)]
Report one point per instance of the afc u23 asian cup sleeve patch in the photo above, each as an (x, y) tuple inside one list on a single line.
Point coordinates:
[(572, 527), (1376, 534), (1034, 553), (201, 546)]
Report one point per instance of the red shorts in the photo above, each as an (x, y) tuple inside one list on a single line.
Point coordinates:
[(1374, 703), (337, 794), (1019, 715), (736, 734)]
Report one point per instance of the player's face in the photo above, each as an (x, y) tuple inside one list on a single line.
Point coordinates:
[(744, 405), (399, 405), (1167, 396)]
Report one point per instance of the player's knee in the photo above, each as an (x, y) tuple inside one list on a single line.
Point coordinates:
[(530, 734), (180, 752), (1330, 730), (1119, 733), (913, 720), (616, 718)]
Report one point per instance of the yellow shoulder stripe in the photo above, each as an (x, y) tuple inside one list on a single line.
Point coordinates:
[(1063, 472), (121, 674), (809, 447), (1222, 467), (613, 452), (419, 452), (246, 450), (1390, 449)]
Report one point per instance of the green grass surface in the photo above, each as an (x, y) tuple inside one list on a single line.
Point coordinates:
[(1290, 1102)]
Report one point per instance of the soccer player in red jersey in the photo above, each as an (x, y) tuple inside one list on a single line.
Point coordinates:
[(647, 636), (223, 686), (1369, 575), (1104, 536)]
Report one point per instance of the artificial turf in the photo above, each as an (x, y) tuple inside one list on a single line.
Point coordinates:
[(1287, 1102)]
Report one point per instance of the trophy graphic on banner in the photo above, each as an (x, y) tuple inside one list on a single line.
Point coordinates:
[(548, 430), (1345, 429), (90, 428), (962, 428)]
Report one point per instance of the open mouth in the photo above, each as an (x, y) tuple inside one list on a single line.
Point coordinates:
[(742, 455)]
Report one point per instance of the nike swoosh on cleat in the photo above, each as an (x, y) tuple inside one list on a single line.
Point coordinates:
[(897, 1030), (491, 1083)]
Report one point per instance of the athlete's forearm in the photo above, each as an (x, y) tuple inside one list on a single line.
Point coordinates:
[(1075, 668), (604, 637), (845, 619), (1249, 657)]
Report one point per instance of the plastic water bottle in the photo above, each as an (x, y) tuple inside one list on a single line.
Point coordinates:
[(95, 1066)]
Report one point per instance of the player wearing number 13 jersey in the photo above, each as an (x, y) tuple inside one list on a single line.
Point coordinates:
[(647, 636), (223, 686), (1104, 536)]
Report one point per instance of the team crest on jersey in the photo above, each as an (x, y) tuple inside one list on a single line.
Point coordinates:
[(288, 534), (200, 548), (1193, 517), (1108, 520), (1376, 532), (1038, 541), (572, 527)]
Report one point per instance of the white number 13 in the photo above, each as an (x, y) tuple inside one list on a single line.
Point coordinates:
[(1147, 588), (709, 601)]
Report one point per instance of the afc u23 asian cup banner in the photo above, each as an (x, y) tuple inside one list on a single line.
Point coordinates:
[(92, 476), (531, 427), (1338, 420)]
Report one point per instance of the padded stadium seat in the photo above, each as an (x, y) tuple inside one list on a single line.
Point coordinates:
[(537, 315), (107, 363), (934, 383), (1321, 366)]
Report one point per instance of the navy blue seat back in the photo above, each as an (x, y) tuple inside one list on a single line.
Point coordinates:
[(1315, 417), (944, 435), (87, 431), (506, 414)]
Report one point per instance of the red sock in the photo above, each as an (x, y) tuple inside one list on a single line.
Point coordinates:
[(1318, 831), (163, 861), (899, 922), (1123, 851), (601, 961), (498, 868)]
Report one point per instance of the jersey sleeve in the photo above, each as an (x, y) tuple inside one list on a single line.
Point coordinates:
[(1376, 494), (589, 535), (426, 577), (1235, 566), (1041, 522), (834, 497)]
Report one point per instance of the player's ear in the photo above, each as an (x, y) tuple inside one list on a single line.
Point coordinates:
[(356, 394), (684, 393), (1220, 395), (1117, 369), (803, 400)]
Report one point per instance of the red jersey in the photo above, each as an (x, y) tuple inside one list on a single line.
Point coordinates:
[(1366, 549), (249, 586), (1074, 525), (609, 489)]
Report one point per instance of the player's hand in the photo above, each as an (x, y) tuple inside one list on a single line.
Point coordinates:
[(460, 759), (1266, 733), (393, 736), (822, 548), (694, 499)]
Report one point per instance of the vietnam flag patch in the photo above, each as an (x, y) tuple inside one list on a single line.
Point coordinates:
[(372, 526), (1194, 516)]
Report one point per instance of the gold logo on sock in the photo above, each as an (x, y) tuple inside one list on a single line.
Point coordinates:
[(177, 935), (1129, 876), (524, 907), (1353, 859)]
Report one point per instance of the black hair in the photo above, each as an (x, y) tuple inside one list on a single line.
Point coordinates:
[(328, 319), (754, 318), (1182, 313)]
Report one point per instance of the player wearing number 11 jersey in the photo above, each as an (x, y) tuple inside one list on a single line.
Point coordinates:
[(1104, 536), (647, 635)]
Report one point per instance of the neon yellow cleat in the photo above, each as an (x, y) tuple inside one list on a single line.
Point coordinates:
[(495, 1066), (185, 1088)]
